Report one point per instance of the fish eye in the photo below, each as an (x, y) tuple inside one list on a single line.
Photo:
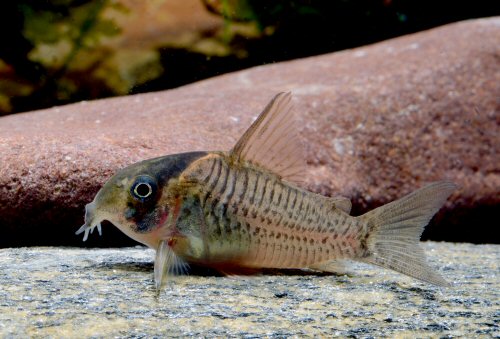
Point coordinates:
[(143, 188)]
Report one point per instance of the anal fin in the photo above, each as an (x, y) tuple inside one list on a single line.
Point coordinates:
[(331, 266), (235, 270)]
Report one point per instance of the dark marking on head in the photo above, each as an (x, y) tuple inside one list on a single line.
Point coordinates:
[(147, 179), (163, 168), (141, 206)]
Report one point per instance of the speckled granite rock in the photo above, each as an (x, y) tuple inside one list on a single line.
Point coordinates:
[(67, 292), (379, 121)]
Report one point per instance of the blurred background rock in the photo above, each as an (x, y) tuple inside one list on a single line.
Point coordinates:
[(59, 51)]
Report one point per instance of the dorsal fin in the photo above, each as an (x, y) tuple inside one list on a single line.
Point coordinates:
[(272, 141), (342, 203)]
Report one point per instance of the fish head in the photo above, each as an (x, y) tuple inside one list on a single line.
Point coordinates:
[(138, 199)]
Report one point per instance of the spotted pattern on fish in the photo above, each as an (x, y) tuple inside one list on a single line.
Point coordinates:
[(264, 221)]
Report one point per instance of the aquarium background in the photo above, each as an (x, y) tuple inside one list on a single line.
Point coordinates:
[(55, 52)]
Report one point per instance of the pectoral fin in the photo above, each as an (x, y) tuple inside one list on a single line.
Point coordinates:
[(166, 263)]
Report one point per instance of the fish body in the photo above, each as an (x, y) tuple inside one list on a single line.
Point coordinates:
[(250, 217), (245, 209)]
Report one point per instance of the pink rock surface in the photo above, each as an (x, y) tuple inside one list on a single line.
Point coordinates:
[(378, 122)]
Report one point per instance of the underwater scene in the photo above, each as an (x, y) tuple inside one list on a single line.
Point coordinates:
[(249, 168)]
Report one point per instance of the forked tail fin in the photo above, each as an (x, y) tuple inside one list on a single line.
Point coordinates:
[(396, 229)]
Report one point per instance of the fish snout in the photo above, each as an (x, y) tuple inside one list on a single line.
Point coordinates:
[(90, 222), (89, 213)]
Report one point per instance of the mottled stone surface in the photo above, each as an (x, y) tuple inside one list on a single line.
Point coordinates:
[(378, 122), (68, 292)]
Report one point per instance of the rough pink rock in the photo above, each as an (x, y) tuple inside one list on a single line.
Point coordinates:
[(378, 122)]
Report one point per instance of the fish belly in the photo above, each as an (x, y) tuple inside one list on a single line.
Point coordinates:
[(254, 219)]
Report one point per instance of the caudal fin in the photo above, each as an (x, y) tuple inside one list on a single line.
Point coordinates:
[(396, 229)]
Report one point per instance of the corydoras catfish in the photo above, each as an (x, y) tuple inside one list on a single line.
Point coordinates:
[(244, 209)]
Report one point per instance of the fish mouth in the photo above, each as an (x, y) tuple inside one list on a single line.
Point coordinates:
[(90, 224)]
